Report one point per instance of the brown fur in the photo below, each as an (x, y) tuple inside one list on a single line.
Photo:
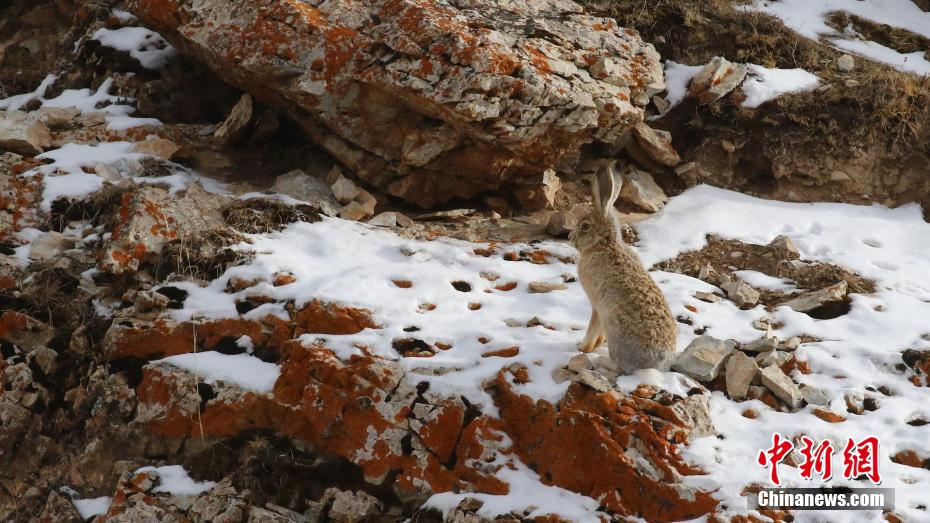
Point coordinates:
[(628, 309)]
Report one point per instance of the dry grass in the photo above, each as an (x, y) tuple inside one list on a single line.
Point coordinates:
[(887, 107), (262, 215)]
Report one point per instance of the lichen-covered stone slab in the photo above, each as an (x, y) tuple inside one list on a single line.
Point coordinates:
[(427, 99)]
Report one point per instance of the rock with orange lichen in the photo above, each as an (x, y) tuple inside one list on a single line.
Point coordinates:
[(171, 405), (150, 217), (319, 317), (624, 449), (19, 195), (427, 100), (129, 338), (23, 330)]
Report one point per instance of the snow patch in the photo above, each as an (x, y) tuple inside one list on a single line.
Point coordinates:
[(174, 480), (145, 45), (764, 84), (677, 78), (91, 507), (809, 19), (242, 370)]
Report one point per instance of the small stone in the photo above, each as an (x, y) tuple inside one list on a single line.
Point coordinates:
[(760, 345), (351, 506), (22, 134), (344, 190), (353, 211), (812, 300), (367, 201), (45, 358), (790, 344), (513, 323), (542, 194), (50, 245), (694, 411), (56, 117), (728, 146), (703, 358), (236, 125), (541, 287), (657, 144), (640, 189), (301, 186), (740, 370), (685, 168), (490, 276), (561, 375), (385, 219), (785, 248), (580, 362), (661, 104), (845, 63), (161, 148), (741, 293), (815, 395), (781, 385), (593, 379), (851, 83), (777, 358), (839, 176), (563, 222), (707, 273), (717, 79), (708, 297)]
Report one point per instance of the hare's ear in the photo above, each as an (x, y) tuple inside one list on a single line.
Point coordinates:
[(606, 187)]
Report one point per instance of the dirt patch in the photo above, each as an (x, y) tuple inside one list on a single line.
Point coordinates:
[(726, 256)]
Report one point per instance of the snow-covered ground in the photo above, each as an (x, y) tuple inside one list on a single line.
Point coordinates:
[(355, 264), (809, 19)]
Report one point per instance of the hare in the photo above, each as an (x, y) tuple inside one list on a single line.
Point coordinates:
[(626, 305)]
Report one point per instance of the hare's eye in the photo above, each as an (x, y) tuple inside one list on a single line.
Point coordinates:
[(585, 226)]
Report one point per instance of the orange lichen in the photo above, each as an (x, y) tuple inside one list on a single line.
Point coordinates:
[(592, 424), (319, 317)]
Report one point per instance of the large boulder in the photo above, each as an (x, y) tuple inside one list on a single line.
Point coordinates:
[(427, 100)]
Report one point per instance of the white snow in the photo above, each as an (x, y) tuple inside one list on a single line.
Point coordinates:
[(763, 84), (677, 78), (174, 480), (764, 281), (70, 161), (88, 101), (526, 490), (121, 123), (124, 16), (808, 18), (908, 62), (91, 507), (145, 45), (242, 370), (16, 102)]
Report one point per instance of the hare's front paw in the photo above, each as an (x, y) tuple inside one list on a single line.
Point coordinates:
[(587, 346)]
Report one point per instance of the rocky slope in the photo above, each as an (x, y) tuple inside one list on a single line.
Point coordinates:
[(304, 261)]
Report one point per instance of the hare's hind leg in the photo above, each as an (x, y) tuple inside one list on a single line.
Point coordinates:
[(594, 337)]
